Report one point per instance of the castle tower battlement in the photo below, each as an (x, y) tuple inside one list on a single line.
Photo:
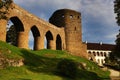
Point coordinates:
[(71, 21)]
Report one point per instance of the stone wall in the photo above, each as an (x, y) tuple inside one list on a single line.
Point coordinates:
[(24, 22), (71, 21), (65, 23)]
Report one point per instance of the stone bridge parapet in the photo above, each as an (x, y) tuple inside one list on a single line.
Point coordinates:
[(62, 32)]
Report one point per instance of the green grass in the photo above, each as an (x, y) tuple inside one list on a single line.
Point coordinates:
[(41, 65)]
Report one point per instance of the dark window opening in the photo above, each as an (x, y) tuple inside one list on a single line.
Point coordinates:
[(58, 43), (75, 28), (71, 16), (63, 16), (49, 38), (34, 35), (14, 26)]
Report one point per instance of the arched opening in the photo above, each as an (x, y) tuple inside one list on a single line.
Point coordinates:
[(89, 52), (45, 42), (94, 53), (98, 61), (34, 36), (98, 54), (91, 58), (105, 54), (102, 61), (49, 39), (101, 53), (58, 43), (14, 27), (75, 28), (31, 40)]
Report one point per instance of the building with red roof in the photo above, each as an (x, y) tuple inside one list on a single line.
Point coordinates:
[(99, 51)]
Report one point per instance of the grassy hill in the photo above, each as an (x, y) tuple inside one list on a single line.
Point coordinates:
[(41, 65)]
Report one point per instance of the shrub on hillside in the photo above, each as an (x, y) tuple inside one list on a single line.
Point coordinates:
[(67, 68)]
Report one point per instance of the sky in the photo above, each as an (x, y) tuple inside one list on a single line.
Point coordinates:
[(98, 18)]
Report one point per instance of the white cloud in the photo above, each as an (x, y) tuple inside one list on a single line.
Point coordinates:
[(111, 36), (51, 3), (45, 8), (99, 9), (98, 12)]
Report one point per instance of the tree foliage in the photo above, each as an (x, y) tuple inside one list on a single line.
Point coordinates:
[(117, 10), (113, 61), (4, 6), (117, 48), (12, 36)]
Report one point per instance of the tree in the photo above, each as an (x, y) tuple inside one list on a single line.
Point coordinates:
[(5, 3), (117, 47), (117, 10), (113, 59), (4, 7), (12, 36)]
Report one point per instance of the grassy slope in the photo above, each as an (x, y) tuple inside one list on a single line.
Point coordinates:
[(41, 65)]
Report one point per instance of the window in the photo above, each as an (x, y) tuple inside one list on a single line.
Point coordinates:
[(71, 16), (94, 54), (102, 61), (98, 53), (75, 28), (101, 53), (98, 61), (89, 52), (63, 16), (105, 54)]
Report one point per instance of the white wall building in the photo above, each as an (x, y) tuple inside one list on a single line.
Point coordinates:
[(98, 52)]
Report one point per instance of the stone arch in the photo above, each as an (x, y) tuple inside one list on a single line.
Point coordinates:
[(49, 38), (18, 23), (36, 36), (58, 43), (18, 27)]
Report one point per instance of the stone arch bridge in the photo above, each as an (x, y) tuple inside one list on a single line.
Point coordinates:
[(65, 34), (24, 22)]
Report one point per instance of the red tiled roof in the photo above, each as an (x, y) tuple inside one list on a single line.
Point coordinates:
[(98, 46)]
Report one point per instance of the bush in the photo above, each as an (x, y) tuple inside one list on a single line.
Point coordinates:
[(67, 68)]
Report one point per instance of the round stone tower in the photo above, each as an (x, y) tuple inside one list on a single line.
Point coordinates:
[(71, 21)]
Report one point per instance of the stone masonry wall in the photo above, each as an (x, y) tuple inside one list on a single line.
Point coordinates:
[(71, 21), (65, 23)]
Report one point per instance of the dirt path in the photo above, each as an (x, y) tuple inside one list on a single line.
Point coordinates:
[(115, 75), (115, 78)]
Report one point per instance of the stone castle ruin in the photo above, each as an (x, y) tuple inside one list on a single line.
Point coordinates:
[(62, 32)]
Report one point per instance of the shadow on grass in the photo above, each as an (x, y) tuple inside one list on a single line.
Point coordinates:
[(46, 65), (23, 79), (37, 63), (89, 76)]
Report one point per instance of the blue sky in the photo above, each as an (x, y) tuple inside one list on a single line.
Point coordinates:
[(98, 18)]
